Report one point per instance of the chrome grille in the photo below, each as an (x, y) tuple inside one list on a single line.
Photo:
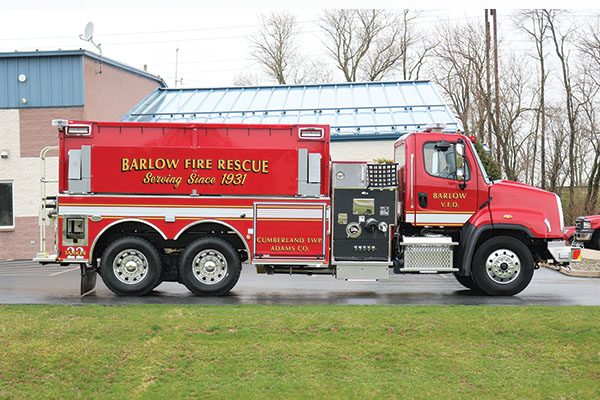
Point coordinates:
[(578, 224)]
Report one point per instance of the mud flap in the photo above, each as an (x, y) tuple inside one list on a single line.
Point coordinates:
[(88, 279)]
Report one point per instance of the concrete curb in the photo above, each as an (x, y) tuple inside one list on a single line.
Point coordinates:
[(573, 272)]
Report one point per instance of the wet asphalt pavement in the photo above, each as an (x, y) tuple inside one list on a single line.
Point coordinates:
[(25, 282)]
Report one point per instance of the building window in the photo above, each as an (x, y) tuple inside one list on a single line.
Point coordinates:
[(7, 216)]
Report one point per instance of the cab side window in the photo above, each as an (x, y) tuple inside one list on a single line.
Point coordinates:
[(442, 163)]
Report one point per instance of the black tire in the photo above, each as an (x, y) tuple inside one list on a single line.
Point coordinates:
[(468, 282), (142, 255), (506, 252), (595, 243), (217, 267)]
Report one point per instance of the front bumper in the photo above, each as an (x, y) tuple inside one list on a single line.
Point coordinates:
[(584, 235), (563, 253)]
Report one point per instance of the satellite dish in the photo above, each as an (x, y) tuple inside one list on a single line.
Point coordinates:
[(88, 32)]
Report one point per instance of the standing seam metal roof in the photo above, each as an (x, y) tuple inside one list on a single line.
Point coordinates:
[(355, 111)]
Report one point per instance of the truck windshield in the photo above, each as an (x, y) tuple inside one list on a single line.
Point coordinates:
[(481, 167)]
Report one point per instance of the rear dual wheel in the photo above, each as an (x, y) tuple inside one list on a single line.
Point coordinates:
[(130, 266), (209, 267)]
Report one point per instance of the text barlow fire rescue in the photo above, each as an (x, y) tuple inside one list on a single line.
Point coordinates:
[(176, 170)]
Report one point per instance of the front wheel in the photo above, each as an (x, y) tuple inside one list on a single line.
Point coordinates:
[(596, 240), (467, 281), (502, 266), (210, 267)]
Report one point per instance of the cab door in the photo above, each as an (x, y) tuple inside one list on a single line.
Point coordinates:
[(442, 196)]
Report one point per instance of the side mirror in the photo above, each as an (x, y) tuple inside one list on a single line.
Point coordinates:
[(460, 149)]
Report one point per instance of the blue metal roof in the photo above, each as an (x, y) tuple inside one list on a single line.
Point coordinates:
[(355, 111), (52, 78)]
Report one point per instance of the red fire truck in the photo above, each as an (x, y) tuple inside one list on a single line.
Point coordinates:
[(587, 231), (143, 203)]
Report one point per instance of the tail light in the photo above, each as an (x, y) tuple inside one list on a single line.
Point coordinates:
[(576, 254)]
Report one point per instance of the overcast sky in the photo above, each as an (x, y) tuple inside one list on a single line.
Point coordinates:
[(213, 43)]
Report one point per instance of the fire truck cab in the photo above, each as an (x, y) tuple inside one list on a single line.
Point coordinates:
[(143, 203)]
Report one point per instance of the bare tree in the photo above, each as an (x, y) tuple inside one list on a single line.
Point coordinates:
[(274, 46), (415, 46), (460, 71), (534, 23), (558, 136), (560, 40), (369, 44), (316, 71), (246, 79), (588, 89), (515, 116)]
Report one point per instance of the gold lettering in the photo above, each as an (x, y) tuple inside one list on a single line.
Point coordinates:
[(172, 164), (195, 179), (449, 196), (124, 164)]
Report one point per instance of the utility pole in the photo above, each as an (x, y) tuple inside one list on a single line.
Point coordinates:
[(176, 64), (496, 83), (488, 100)]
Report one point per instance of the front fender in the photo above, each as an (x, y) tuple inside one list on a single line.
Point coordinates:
[(534, 219), (470, 235)]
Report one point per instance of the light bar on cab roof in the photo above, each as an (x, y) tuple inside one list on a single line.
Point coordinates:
[(435, 127)]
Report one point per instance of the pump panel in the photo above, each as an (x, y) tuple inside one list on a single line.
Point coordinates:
[(362, 223)]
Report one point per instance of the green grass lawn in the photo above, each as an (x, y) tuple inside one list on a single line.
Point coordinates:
[(321, 352)]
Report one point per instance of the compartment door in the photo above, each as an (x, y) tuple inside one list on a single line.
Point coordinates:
[(294, 231)]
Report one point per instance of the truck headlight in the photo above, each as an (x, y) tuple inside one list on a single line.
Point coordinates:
[(587, 225), (560, 213)]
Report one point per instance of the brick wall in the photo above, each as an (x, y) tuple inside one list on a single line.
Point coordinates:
[(111, 94), (23, 242), (364, 150), (36, 130)]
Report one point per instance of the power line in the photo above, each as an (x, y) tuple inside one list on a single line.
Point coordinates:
[(184, 40), (153, 32)]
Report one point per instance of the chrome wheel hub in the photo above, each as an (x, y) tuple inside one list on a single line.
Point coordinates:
[(503, 266), (130, 266), (209, 266)]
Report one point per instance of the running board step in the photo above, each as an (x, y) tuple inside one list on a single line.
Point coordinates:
[(45, 258), (428, 270), (373, 271)]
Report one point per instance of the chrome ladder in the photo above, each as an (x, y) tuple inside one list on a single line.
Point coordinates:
[(48, 208)]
